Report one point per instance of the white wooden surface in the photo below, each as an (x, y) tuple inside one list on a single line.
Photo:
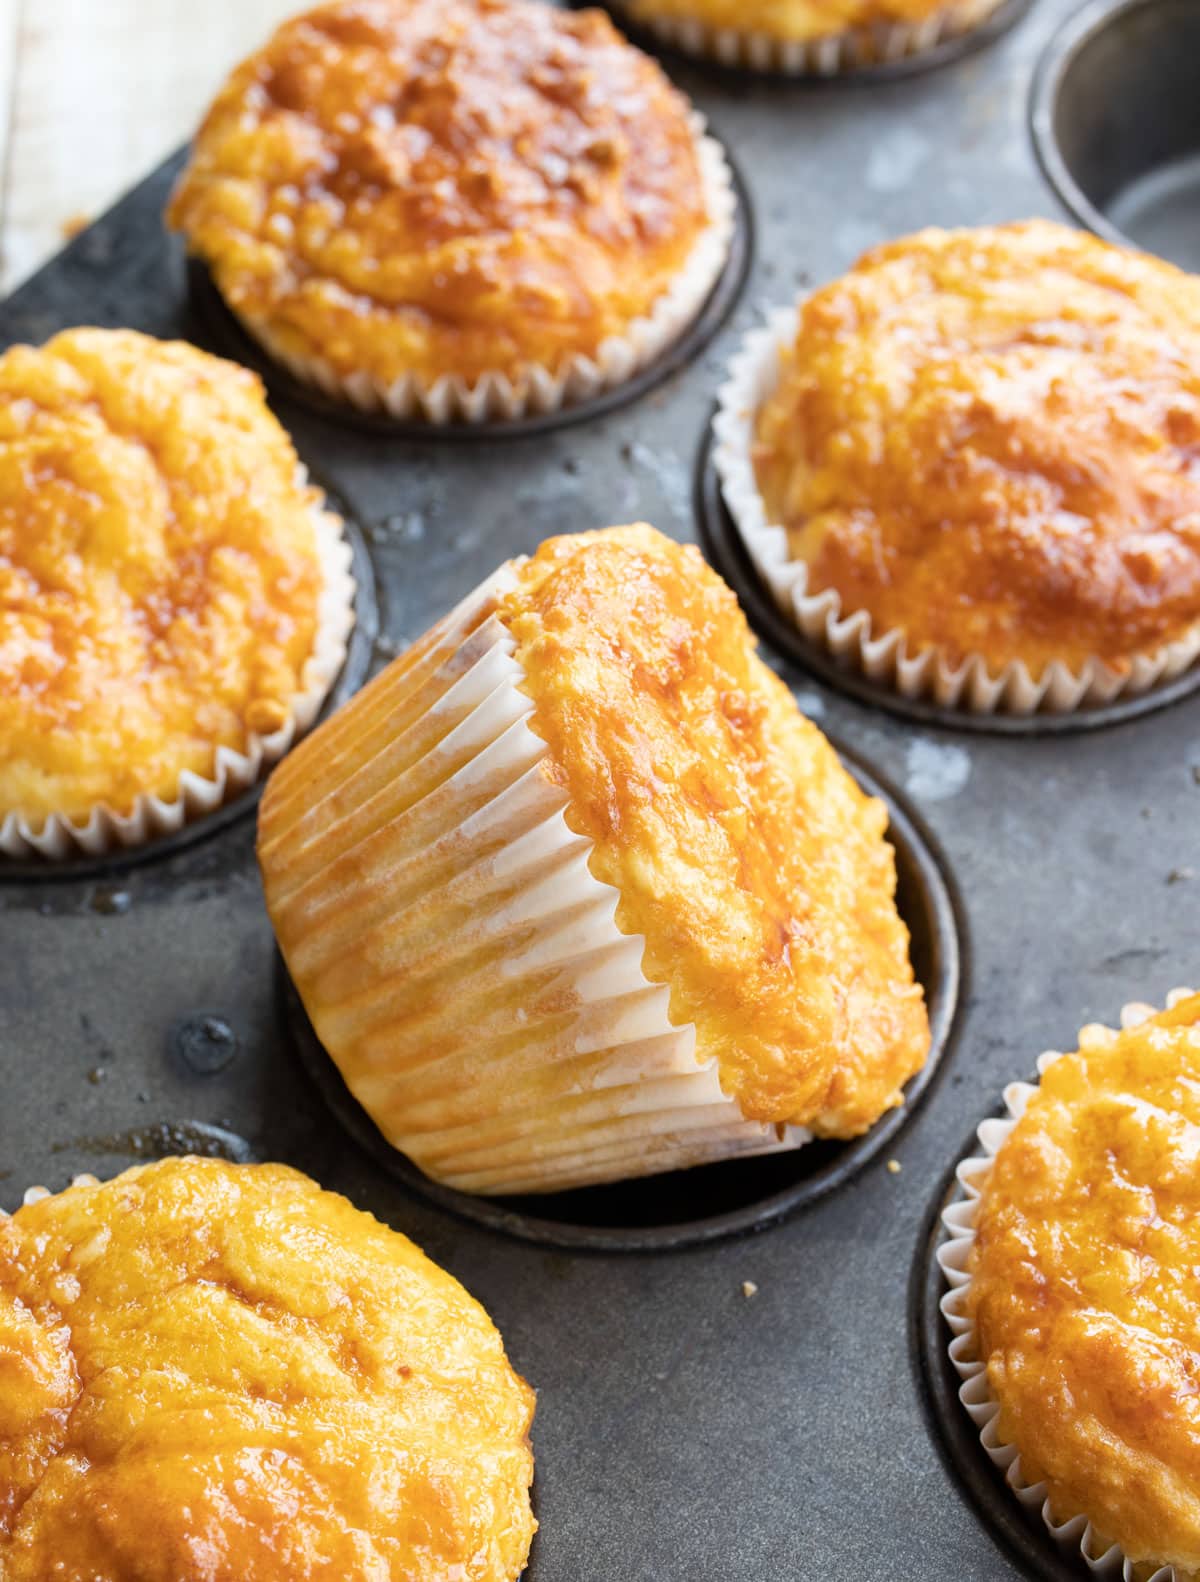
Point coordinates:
[(95, 92)]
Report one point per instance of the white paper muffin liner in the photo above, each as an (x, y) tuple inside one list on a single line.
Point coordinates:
[(849, 637), (1103, 1559), (880, 43), (535, 389), (106, 830), (459, 961)]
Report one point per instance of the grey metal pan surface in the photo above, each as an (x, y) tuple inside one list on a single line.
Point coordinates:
[(685, 1431)]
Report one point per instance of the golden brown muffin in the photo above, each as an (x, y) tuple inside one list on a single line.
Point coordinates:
[(572, 891), (986, 440), (160, 572), (443, 187), (1084, 1288), (221, 1371), (745, 855)]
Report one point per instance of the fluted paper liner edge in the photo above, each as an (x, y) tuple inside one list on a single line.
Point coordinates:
[(573, 1073), (881, 43)]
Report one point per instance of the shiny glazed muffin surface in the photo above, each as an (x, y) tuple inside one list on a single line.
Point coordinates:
[(159, 575), (443, 186), (988, 440), (222, 1372), (1084, 1287), (743, 851)]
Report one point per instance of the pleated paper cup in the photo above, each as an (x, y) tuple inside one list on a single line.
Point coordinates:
[(105, 829), (1103, 1558), (849, 635), (533, 389), (456, 955), (881, 43)]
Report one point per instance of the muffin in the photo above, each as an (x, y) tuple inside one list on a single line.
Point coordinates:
[(456, 209), (967, 467), (1075, 1305), (221, 1370), (572, 891), (803, 37), (177, 603)]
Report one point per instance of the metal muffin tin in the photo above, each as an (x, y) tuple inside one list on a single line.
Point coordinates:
[(1116, 121), (686, 1430)]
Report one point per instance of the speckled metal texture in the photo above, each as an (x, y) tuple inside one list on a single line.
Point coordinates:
[(686, 1431)]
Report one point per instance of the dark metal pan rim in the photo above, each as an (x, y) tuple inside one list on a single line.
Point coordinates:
[(931, 909), (231, 339), (723, 546), (352, 675)]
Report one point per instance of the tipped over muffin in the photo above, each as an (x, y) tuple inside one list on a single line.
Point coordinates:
[(572, 891), (221, 1371), (456, 209)]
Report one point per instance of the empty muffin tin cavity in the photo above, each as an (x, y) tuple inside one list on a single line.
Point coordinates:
[(226, 335), (690, 1207), (1115, 115), (353, 673), (725, 550)]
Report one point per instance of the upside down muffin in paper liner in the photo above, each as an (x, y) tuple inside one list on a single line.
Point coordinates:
[(572, 891), (1074, 1303)]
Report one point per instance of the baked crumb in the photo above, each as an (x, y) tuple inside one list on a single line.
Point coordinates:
[(159, 569), (985, 439), (443, 187)]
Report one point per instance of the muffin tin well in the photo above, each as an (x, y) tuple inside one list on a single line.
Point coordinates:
[(748, 1404), (1115, 113)]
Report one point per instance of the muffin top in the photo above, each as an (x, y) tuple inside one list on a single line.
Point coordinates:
[(159, 573), (443, 186), (745, 855), (1084, 1285), (798, 20), (988, 439), (221, 1371)]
